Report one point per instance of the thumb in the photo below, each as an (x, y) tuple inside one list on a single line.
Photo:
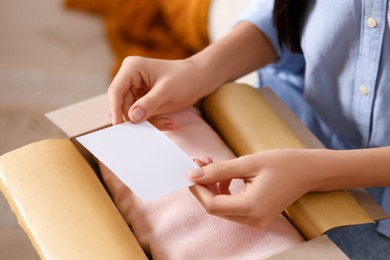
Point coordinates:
[(137, 114), (217, 172), (144, 107)]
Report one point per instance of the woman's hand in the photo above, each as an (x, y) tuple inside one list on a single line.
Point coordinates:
[(146, 87), (273, 181), (219, 188)]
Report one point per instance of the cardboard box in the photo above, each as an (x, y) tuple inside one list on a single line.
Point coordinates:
[(64, 208)]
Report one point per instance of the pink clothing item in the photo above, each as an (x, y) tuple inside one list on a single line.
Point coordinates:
[(175, 226)]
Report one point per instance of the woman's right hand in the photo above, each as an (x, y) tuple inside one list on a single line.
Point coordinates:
[(146, 87)]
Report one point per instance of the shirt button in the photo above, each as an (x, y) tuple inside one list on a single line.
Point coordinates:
[(371, 22), (363, 90)]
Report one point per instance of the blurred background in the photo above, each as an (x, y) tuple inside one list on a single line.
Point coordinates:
[(49, 57)]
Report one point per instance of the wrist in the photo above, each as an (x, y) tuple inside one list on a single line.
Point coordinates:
[(207, 72), (327, 172), (343, 169), (208, 66)]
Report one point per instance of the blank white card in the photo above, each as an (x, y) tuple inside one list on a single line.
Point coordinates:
[(148, 162)]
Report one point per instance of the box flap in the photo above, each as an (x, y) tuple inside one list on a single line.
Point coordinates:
[(321, 247), (315, 213), (45, 184), (369, 204), (82, 117)]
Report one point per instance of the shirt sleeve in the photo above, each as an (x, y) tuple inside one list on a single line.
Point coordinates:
[(259, 13)]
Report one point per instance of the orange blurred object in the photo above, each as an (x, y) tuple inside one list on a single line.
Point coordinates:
[(162, 29)]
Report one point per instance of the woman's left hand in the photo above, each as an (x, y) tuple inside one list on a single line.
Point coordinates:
[(273, 180)]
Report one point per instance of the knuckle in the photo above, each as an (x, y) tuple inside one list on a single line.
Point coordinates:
[(130, 60), (214, 169), (133, 61)]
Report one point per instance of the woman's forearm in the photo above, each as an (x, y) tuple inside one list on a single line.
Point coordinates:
[(242, 51), (353, 168)]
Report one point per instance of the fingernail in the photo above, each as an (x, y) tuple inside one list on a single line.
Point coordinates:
[(138, 113), (169, 126), (195, 174)]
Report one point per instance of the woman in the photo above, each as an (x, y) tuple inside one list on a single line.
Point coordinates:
[(325, 59)]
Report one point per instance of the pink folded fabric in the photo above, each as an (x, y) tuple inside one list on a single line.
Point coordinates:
[(175, 226)]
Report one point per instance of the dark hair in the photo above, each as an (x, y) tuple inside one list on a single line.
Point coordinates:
[(288, 16)]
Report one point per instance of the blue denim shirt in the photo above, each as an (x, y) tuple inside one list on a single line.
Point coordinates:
[(343, 75)]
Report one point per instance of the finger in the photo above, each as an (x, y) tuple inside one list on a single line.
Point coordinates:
[(231, 208), (202, 194), (146, 106), (221, 171), (220, 205), (122, 87), (213, 188), (224, 187), (115, 108), (207, 160), (128, 100), (116, 92), (203, 162), (198, 162), (163, 123)]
